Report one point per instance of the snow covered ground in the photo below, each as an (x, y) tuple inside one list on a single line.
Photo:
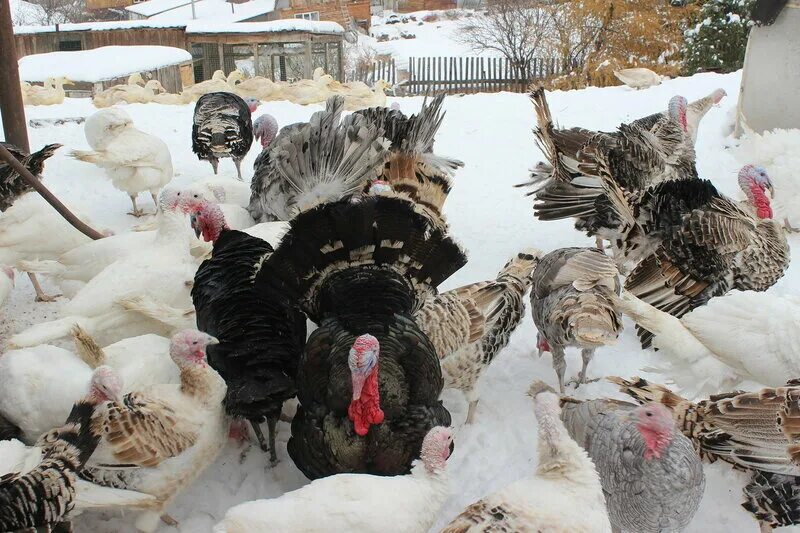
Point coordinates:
[(491, 133), (431, 39)]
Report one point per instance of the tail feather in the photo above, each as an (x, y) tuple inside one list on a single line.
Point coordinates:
[(773, 499), (91, 496), (171, 316), (49, 331), (86, 347), (87, 156), (384, 233), (645, 392)]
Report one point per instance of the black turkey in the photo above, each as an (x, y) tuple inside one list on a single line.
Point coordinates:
[(222, 128), (369, 379), (12, 186), (260, 338)]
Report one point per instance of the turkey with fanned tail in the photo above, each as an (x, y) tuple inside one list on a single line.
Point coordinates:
[(309, 163), (369, 378)]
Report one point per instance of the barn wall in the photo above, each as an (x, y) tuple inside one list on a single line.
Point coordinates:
[(40, 43), (408, 6)]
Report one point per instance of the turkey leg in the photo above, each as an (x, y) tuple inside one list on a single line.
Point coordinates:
[(472, 398), (136, 211), (238, 163), (586, 355), (214, 163), (273, 455), (40, 294), (559, 365)]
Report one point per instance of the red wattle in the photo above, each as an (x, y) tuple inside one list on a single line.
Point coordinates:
[(366, 411), (760, 202)]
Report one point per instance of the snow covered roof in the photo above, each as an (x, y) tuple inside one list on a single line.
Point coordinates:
[(218, 11), (311, 26), (100, 26), (23, 12), (99, 64)]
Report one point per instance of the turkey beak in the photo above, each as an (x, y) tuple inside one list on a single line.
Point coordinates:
[(212, 340), (771, 190), (358, 384), (195, 225)]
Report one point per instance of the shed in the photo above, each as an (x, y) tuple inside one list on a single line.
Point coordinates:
[(281, 50), (100, 68), (771, 76)]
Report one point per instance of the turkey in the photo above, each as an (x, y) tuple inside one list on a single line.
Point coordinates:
[(260, 339), (356, 502), (700, 355), (134, 160), (413, 171), (145, 292), (708, 244), (572, 304), (76, 267), (40, 487), (158, 440), (369, 379), (470, 325), (565, 481), (12, 186), (590, 172), (31, 230), (638, 78), (754, 431), (313, 162), (265, 129), (222, 127), (652, 478), (38, 385)]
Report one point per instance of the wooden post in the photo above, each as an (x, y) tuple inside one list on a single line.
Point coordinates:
[(255, 60), (307, 70), (221, 52), (11, 107)]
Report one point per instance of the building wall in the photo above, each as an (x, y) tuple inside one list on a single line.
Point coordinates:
[(407, 6), (331, 10), (105, 4), (39, 43)]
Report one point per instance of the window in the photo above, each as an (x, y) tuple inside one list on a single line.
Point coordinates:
[(311, 15), (69, 46)]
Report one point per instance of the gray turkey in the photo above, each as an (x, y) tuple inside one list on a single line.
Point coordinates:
[(12, 186), (309, 163), (470, 325), (260, 339), (222, 127), (705, 244), (588, 171), (369, 378), (572, 305), (652, 478), (753, 431), (413, 170)]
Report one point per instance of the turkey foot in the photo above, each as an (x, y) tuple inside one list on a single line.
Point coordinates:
[(273, 457), (40, 294), (581, 381), (167, 519), (586, 357), (136, 211)]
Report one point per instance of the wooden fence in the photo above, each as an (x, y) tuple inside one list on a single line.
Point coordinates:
[(426, 75)]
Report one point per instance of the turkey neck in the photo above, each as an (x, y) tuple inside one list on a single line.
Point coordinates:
[(172, 230)]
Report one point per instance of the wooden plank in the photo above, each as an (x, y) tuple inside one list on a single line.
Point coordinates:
[(410, 84), (440, 73)]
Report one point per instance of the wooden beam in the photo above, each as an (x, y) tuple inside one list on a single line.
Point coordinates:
[(11, 106), (307, 63)]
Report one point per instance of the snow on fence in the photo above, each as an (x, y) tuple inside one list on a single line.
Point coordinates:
[(460, 74)]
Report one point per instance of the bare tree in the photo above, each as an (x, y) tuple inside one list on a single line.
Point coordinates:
[(517, 29), (60, 11)]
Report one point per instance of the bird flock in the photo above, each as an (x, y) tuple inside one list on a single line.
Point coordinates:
[(319, 281)]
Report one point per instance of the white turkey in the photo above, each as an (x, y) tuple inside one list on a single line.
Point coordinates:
[(753, 431), (40, 487), (161, 438), (222, 127), (356, 502), (572, 304), (310, 163), (38, 385), (564, 493), (12, 186), (469, 326), (652, 478), (638, 78), (134, 160), (143, 292), (73, 269), (32, 230), (701, 356), (705, 243)]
